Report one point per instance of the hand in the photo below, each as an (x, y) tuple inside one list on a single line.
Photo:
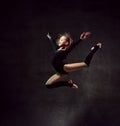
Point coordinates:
[(61, 48), (85, 35), (48, 35)]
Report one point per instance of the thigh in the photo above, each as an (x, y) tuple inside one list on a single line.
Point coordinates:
[(74, 66), (55, 78)]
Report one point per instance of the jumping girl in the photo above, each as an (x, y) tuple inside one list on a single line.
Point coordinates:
[(62, 47)]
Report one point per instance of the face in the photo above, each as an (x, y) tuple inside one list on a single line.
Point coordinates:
[(63, 41)]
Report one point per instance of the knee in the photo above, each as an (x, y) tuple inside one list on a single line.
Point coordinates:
[(86, 64), (48, 85)]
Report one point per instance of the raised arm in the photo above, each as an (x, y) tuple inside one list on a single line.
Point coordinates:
[(53, 43), (83, 36)]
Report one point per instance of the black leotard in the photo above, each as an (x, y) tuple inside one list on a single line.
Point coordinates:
[(59, 58)]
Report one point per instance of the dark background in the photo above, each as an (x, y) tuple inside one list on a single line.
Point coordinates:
[(25, 55)]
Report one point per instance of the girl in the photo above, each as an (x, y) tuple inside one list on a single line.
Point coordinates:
[(62, 48)]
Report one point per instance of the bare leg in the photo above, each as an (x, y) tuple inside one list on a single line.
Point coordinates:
[(55, 78), (74, 66), (54, 81)]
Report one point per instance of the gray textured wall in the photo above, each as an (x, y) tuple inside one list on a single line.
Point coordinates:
[(25, 64)]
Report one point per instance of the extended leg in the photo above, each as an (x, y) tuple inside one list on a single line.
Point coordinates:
[(92, 52), (76, 66)]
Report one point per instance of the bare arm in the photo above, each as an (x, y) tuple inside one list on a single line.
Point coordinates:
[(83, 36)]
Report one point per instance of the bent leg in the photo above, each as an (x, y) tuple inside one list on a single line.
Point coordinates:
[(54, 82), (55, 78), (74, 66)]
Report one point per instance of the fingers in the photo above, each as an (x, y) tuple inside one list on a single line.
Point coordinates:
[(81, 36), (88, 33), (48, 35)]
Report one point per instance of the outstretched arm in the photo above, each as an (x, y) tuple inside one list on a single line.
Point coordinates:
[(53, 43), (83, 36)]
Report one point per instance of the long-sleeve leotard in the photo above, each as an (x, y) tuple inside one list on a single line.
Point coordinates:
[(56, 47), (59, 57)]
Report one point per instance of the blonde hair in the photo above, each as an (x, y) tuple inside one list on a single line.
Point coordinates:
[(67, 35)]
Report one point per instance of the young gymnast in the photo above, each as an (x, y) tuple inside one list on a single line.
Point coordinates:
[(62, 47)]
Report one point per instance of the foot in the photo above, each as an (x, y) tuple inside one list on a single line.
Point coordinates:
[(73, 84), (98, 44)]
